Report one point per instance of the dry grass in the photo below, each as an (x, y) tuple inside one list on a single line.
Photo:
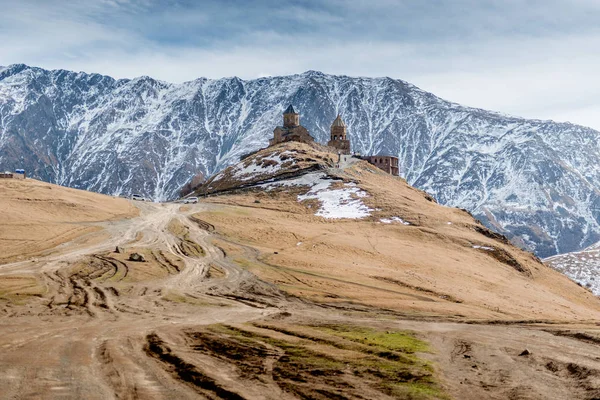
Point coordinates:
[(17, 289), (435, 259), (38, 216)]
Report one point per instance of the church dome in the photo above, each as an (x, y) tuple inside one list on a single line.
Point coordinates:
[(338, 122)]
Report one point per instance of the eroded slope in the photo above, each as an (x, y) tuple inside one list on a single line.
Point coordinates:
[(314, 282)]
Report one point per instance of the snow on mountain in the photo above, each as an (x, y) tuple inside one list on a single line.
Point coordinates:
[(581, 266), (536, 181)]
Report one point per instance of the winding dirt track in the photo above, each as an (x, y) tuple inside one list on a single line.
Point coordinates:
[(86, 340), (86, 336)]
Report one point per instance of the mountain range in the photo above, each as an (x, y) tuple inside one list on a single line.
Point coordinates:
[(534, 181)]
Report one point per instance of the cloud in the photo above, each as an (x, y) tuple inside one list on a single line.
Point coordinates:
[(530, 58)]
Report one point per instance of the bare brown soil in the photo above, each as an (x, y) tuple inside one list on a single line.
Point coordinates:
[(38, 216), (443, 264), (244, 300)]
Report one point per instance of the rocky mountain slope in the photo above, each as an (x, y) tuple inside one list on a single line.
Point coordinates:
[(535, 181), (581, 266)]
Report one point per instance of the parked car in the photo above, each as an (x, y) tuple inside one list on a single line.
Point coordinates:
[(138, 197), (190, 200)]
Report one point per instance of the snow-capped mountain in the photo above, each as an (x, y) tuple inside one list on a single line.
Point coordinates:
[(536, 181)]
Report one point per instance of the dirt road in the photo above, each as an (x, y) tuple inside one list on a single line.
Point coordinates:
[(83, 338), (85, 322)]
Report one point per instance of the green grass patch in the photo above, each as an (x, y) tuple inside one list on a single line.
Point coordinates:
[(334, 357), (402, 341), (176, 297)]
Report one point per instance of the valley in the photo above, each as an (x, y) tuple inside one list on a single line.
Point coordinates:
[(251, 294)]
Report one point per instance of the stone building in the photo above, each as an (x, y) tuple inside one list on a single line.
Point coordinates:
[(338, 139), (291, 129), (388, 164)]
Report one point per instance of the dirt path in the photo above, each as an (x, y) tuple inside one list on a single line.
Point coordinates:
[(90, 332), (84, 337)]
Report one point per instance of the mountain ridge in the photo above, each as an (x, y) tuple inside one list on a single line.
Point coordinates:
[(532, 180), (307, 72)]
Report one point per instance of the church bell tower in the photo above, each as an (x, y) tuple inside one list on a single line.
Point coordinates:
[(338, 137), (291, 118)]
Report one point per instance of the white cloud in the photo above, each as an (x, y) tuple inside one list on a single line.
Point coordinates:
[(529, 58)]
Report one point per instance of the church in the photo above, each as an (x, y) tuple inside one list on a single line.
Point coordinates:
[(338, 137), (293, 131)]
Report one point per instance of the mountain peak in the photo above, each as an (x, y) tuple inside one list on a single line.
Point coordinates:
[(311, 72), (12, 69)]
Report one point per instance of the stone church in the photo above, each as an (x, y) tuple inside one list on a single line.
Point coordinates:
[(291, 129), (338, 139)]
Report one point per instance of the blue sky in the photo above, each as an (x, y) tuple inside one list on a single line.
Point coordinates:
[(531, 58)]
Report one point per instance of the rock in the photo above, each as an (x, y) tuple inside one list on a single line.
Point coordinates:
[(137, 257), (282, 315), (119, 250), (525, 353), (256, 201)]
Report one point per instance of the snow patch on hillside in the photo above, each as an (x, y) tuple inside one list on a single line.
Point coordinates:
[(394, 219), (264, 166), (339, 203)]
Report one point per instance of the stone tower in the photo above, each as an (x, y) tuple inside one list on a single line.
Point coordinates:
[(291, 118), (338, 137), (291, 131)]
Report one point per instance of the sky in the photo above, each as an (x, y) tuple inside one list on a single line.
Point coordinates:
[(530, 58)]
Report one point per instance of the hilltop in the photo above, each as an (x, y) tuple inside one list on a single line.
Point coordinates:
[(357, 234), (534, 181), (39, 216)]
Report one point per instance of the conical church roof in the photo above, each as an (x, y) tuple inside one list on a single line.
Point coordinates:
[(338, 122), (290, 110)]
